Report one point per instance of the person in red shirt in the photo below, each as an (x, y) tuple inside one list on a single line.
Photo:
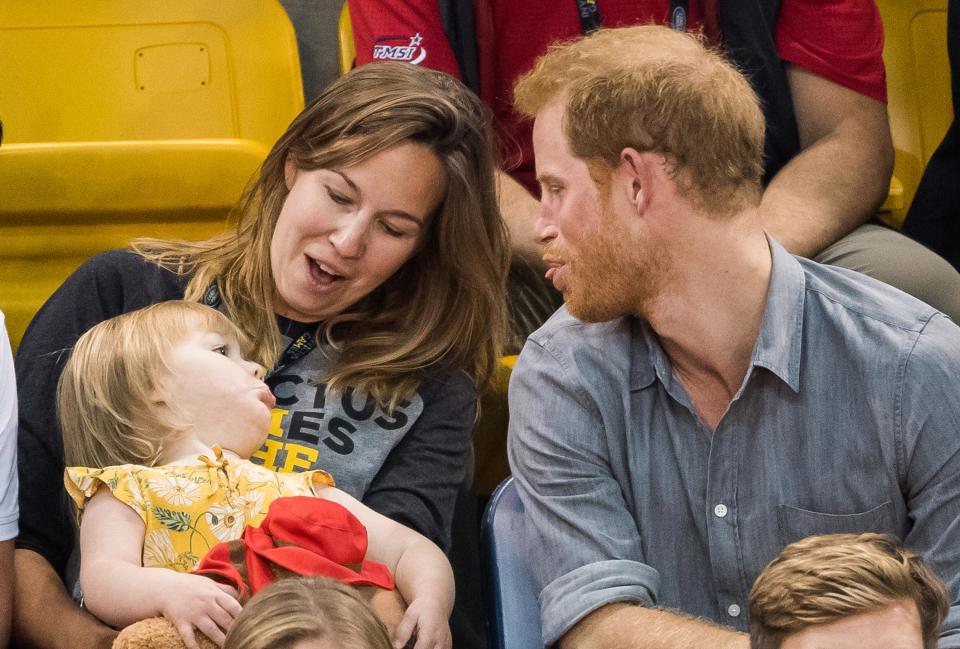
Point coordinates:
[(818, 200)]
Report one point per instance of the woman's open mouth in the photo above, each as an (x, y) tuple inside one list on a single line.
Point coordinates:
[(322, 274)]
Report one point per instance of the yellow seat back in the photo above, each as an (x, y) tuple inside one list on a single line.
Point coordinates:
[(126, 119), (918, 87), (347, 48)]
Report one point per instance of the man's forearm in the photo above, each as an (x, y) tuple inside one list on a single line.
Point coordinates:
[(823, 194), (842, 173), (627, 626), (44, 614)]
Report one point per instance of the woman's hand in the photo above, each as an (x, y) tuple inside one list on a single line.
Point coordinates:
[(429, 618), (194, 603)]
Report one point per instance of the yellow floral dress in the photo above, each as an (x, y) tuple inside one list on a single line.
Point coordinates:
[(189, 509)]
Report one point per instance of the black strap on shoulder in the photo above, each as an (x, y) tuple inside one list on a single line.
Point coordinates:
[(747, 29), (459, 27)]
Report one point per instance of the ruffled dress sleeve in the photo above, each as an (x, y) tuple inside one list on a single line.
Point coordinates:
[(122, 481)]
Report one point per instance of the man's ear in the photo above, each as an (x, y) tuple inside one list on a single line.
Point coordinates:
[(289, 172), (635, 178), (645, 173)]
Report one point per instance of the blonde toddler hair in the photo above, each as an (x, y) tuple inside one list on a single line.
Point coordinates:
[(307, 608), (105, 391)]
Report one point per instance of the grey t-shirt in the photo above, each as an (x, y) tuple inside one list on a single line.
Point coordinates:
[(347, 434)]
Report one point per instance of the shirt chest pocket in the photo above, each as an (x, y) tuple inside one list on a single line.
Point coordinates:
[(795, 523)]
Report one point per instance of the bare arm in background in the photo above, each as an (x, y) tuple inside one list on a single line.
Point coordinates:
[(519, 209), (44, 614), (842, 173)]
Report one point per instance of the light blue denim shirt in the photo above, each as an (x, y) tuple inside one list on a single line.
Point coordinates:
[(848, 420)]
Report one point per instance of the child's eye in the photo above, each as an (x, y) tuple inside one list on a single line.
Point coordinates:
[(220, 349)]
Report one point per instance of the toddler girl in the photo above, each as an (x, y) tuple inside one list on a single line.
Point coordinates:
[(159, 407)]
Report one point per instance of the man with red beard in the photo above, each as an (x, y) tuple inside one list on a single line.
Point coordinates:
[(704, 398)]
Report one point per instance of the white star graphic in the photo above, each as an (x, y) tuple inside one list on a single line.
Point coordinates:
[(415, 40)]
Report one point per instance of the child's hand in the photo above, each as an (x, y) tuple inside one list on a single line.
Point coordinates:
[(194, 602), (430, 619)]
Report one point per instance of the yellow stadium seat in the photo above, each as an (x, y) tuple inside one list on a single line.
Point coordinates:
[(490, 437), (918, 87), (348, 49), (125, 119)]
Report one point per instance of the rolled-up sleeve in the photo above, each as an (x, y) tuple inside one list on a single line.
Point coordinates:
[(928, 417), (583, 541)]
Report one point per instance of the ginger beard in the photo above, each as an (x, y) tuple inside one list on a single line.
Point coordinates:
[(610, 273)]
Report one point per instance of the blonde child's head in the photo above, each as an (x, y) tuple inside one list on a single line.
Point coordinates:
[(312, 612), (821, 581), (106, 396)]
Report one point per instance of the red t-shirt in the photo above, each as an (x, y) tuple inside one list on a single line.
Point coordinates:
[(841, 40)]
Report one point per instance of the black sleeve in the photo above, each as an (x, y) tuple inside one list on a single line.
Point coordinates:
[(418, 484), (106, 285)]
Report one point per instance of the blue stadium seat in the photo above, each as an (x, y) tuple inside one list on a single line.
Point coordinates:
[(513, 607)]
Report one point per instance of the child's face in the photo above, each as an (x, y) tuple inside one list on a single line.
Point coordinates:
[(220, 395)]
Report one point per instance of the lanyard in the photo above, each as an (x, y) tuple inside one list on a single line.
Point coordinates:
[(678, 14), (591, 20), (302, 345)]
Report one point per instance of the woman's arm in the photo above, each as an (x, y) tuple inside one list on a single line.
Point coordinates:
[(44, 614), (120, 591), (418, 484), (6, 591), (421, 571)]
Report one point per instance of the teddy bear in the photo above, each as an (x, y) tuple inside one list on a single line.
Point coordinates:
[(156, 633)]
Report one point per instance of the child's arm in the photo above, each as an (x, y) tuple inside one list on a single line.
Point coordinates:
[(120, 591), (419, 567)]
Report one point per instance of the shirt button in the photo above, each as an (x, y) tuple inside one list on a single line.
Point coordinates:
[(733, 610), (720, 511)]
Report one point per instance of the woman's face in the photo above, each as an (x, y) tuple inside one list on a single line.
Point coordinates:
[(344, 231)]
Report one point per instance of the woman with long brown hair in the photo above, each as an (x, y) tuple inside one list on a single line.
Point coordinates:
[(367, 266)]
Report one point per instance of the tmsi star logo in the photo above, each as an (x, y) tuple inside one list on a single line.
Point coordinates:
[(412, 52)]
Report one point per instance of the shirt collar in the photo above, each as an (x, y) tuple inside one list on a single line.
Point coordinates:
[(778, 345), (649, 361), (781, 332)]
